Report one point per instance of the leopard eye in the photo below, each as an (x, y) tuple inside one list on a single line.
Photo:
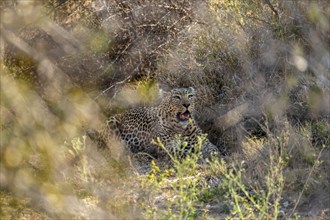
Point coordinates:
[(177, 97), (190, 96)]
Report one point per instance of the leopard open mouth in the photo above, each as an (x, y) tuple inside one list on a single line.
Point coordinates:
[(185, 116)]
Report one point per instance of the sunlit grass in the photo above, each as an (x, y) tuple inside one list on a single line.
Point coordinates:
[(66, 65)]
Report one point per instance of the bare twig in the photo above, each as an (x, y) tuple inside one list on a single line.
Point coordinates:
[(122, 52), (258, 19), (307, 180), (272, 8), (114, 85)]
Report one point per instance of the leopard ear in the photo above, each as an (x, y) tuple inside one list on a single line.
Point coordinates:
[(192, 89)]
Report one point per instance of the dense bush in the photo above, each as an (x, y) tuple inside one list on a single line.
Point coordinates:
[(261, 70)]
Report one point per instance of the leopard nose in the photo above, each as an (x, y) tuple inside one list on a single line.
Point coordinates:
[(186, 105)]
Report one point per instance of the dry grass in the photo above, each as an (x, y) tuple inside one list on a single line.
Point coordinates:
[(261, 69)]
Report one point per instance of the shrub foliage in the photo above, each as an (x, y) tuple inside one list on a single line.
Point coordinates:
[(261, 70)]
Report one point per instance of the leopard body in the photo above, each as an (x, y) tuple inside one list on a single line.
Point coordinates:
[(171, 122)]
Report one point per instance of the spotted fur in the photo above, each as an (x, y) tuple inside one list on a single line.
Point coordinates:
[(171, 121)]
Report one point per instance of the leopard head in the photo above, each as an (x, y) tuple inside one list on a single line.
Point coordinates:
[(179, 104)]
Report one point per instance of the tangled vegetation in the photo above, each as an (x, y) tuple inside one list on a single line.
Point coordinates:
[(261, 72)]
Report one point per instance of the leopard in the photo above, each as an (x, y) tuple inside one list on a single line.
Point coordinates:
[(171, 122)]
